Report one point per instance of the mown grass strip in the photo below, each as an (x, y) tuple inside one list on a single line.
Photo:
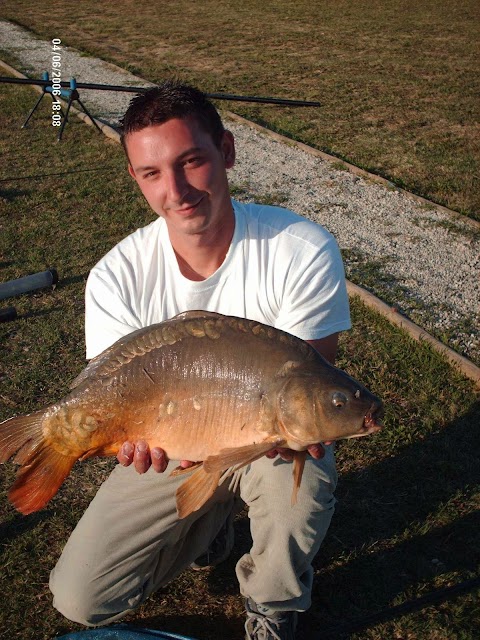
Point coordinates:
[(398, 86), (407, 517)]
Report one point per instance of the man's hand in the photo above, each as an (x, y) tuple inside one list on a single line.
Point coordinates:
[(315, 450), (142, 458)]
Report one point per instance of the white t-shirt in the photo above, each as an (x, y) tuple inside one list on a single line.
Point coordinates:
[(280, 269)]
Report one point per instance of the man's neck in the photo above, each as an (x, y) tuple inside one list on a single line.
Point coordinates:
[(200, 255)]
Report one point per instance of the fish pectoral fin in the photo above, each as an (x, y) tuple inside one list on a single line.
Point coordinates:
[(179, 471), (238, 457), (298, 466), (192, 494)]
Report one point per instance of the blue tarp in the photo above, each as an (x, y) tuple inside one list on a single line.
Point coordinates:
[(123, 632)]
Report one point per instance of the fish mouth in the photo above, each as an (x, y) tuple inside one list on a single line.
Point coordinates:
[(372, 422)]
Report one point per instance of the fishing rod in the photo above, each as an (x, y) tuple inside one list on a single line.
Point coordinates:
[(113, 87)]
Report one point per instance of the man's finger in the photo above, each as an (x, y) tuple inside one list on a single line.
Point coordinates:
[(316, 451), (272, 454), (125, 454), (286, 454), (141, 457), (186, 464), (159, 459)]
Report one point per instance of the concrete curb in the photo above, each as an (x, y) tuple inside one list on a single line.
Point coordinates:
[(468, 368)]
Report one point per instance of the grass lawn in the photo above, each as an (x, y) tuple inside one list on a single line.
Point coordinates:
[(398, 81), (407, 519)]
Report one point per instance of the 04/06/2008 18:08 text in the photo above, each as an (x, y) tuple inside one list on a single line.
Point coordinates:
[(56, 79)]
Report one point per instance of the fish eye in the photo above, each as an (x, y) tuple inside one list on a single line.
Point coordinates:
[(339, 399)]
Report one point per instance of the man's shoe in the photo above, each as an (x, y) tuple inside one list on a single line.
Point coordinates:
[(219, 549), (277, 625)]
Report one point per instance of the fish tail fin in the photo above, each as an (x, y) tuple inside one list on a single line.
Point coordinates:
[(193, 493), (298, 466), (43, 470)]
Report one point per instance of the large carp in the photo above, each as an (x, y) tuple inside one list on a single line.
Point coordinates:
[(203, 387)]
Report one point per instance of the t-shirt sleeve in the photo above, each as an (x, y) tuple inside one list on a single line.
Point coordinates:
[(109, 314), (315, 300)]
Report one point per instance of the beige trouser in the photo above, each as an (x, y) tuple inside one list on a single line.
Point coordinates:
[(130, 541)]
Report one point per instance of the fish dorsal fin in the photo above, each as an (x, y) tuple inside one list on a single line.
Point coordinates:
[(120, 352), (192, 494), (298, 466), (238, 457), (144, 340)]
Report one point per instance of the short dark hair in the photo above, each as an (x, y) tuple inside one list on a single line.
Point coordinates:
[(171, 99)]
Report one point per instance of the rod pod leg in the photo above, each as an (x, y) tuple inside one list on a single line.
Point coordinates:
[(32, 111)]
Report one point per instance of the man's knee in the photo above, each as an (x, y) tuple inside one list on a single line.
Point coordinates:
[(272, 482), (79, 602), (73, 602)]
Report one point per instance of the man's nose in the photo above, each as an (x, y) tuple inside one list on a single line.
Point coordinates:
[(176, 185)]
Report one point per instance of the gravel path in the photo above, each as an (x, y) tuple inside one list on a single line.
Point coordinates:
[(420, 257)]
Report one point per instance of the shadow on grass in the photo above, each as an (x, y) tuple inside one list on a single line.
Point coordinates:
[(400, 524), (65, 282), (404, 527), (384, 570), (41, 176), (39, 313), (20, 524), (197, 626), (10, 195), (401, 530)]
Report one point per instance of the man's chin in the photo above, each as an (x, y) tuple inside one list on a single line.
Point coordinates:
[(189, 225)]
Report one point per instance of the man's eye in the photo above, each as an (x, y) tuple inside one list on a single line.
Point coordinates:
[(193, 162)]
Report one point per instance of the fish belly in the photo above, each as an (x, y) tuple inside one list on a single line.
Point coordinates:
[(193, 429)]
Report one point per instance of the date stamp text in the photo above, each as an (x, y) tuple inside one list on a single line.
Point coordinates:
[(56, 80)]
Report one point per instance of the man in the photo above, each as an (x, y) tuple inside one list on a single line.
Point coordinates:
[(205, 251)]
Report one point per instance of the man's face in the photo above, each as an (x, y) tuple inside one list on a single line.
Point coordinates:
[(182, 174)]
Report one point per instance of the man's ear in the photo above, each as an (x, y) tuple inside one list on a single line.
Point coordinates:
[(228, 149), (131, 171)]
